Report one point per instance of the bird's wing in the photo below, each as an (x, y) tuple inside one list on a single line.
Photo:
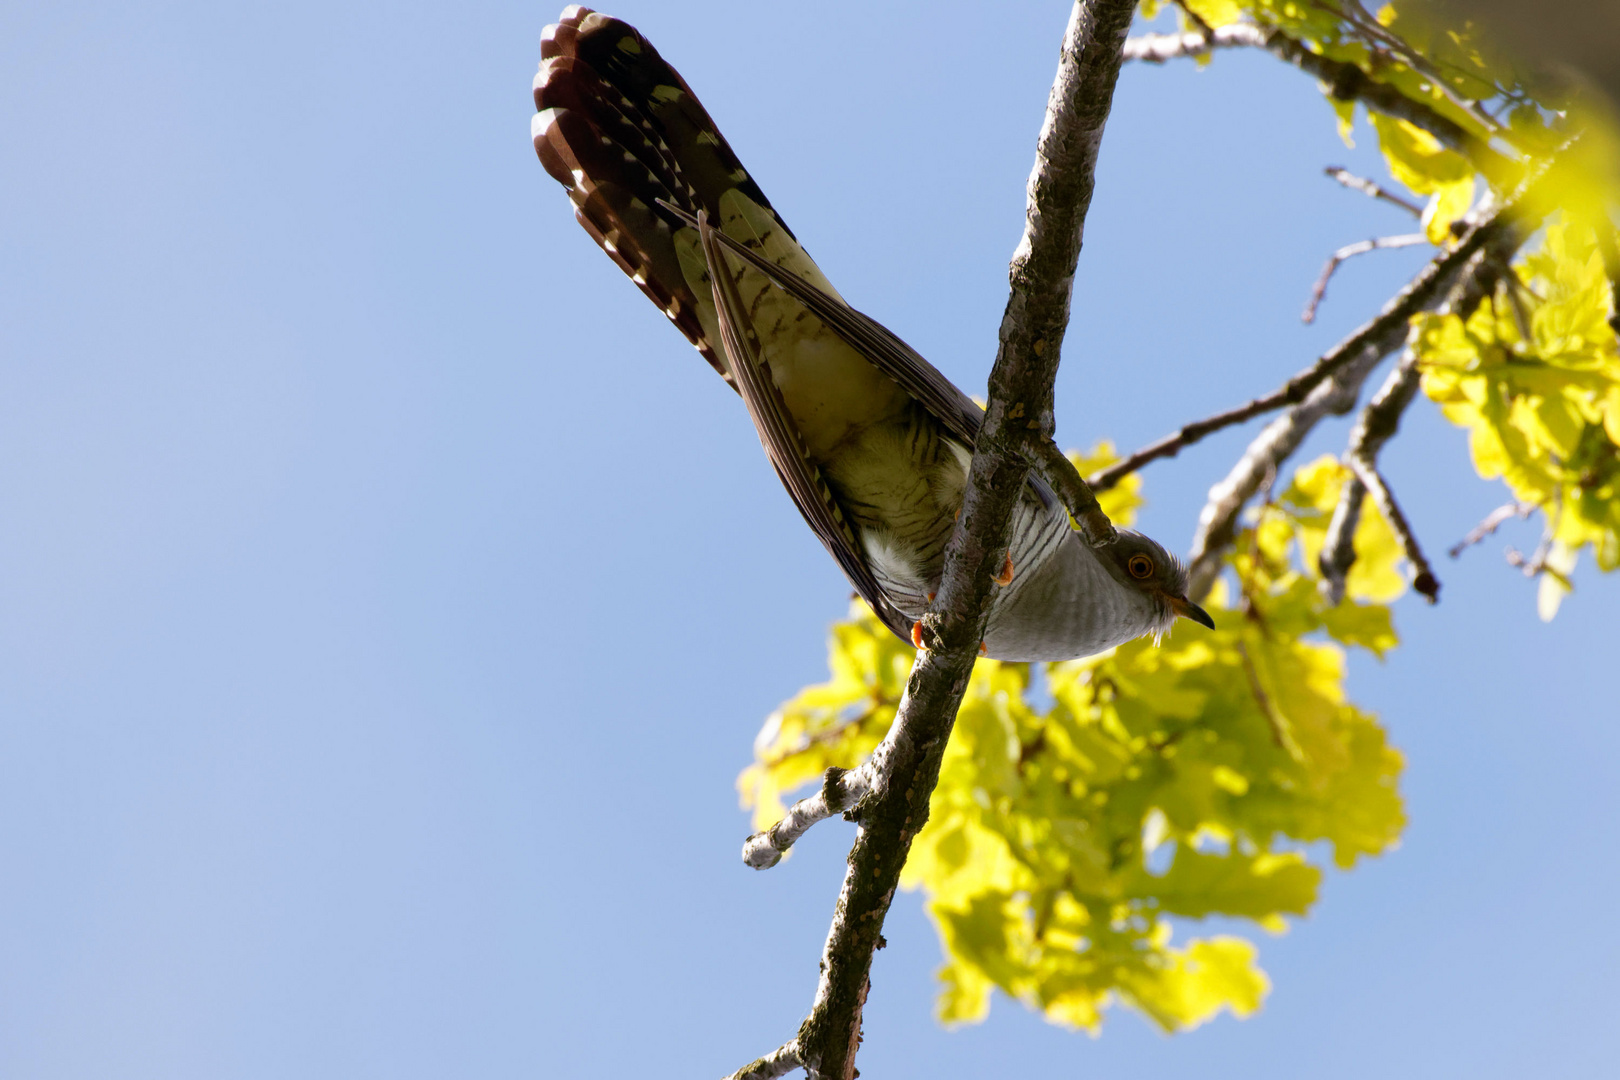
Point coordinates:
[(619, 128), (960, 414), (641, 158), (780, 438)]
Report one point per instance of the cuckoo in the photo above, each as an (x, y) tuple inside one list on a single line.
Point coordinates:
[(871, 441)]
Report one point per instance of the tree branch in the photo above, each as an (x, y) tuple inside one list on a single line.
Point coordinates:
[(1018, 421), (1425, 581), (1385, 332), (781, 1061), (840, 790), (1370, 189), (1281, 731), (1492, 522), (1381, 419), (1346, 366), (1343, 80), (1350, 251), (1075, 494), (1375, 426), (1158, 48), (1338, 552), (1347, 82), (1383, 39), (1217, 524)]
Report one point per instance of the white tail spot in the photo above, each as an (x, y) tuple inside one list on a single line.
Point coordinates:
[(541, 123), (547, 66)]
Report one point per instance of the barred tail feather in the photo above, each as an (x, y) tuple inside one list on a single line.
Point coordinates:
[(620, 130)]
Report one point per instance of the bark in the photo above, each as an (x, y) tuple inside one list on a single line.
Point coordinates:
[(1017, 425)]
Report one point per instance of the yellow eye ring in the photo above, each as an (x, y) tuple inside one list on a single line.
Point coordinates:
[(1140, 566)]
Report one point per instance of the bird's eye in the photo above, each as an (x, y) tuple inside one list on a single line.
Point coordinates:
[(1140, 566)]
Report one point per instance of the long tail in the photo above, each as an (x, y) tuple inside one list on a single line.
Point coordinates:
[(620, 129)]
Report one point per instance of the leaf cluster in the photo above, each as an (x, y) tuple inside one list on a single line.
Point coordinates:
[(1534, 377), (1084, 807), (1532, 374), (1088, 813), (1453, 69)]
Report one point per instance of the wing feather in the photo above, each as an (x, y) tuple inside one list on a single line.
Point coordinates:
[(780, 438), (960, 414)]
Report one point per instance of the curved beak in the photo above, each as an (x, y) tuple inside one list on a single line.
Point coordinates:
[(1189, 610)]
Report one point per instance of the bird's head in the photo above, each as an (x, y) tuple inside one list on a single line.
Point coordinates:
[(1144, 567)]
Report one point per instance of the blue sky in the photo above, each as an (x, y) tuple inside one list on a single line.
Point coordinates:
[(389, 598)]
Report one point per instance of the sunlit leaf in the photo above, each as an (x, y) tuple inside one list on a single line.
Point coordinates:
[(1151, 783)]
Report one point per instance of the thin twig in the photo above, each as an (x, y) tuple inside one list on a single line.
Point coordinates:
[(1395, 44), (1381, 419), (1348, 82), (1371, 189), (1197, 20), (1386, 332), (1436, 68), (1492, 522), (1344, 80), (1217, 523), (1018, 419), (1537, 563), (1530, 566), (1356, 355), (1281, 733), (1425, 582), (1076, 495), (1350, 251), (1172, 444)]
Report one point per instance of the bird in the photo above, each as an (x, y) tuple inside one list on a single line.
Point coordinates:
[(871, 441)]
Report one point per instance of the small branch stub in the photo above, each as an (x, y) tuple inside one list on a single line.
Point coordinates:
[(1350, 251), (1492, 522), (783, 1060), (1076, 494), (1425, 582), (840, 790), (1371, 190)]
